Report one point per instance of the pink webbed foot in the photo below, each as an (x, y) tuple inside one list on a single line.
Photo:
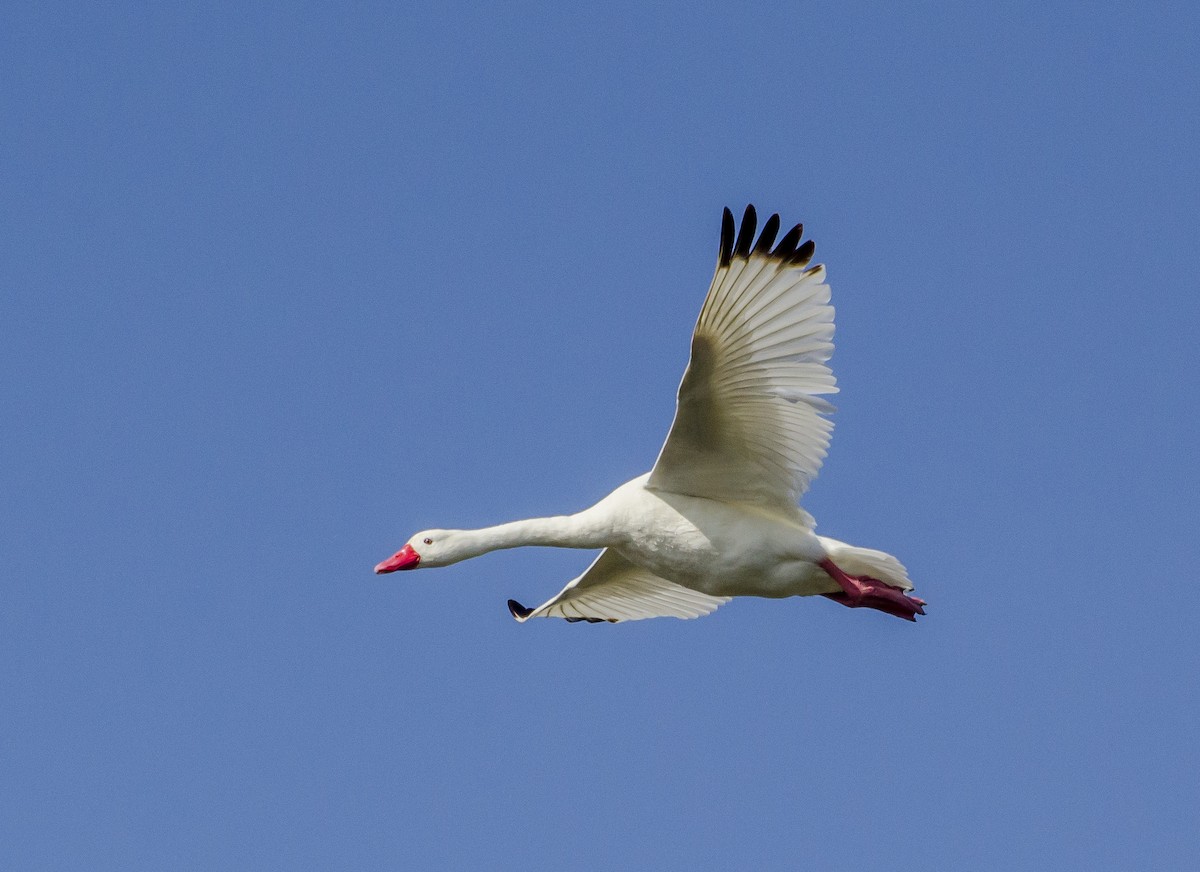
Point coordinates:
[(859, 592)]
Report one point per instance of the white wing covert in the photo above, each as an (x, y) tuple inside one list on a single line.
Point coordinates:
[(750, 422), (613, 589)]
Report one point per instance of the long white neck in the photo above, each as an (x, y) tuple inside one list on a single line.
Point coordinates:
[(561, 531)]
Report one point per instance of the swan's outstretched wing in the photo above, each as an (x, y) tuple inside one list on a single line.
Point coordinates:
[(749, 423), (613, 589)]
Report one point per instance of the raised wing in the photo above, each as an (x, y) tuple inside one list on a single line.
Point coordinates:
[(749, 422), (613, 589)]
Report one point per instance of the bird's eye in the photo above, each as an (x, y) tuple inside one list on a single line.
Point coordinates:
[(428, 541)]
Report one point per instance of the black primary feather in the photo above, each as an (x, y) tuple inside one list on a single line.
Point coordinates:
[(518, 610), (802, 255), (787, 246), (726, 237), (767, 238), (746, 234)]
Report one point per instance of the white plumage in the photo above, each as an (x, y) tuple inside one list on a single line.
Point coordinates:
[(717, 516)]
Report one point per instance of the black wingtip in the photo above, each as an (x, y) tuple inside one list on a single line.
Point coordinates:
[(746, 233), (767, 238), (736, 242), (803, 254), (518, 611), (787, 246), (726, 237)]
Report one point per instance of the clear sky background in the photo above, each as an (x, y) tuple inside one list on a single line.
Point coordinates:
[(281, 284)]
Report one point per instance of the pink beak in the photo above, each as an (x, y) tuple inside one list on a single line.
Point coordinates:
[(405, 558)]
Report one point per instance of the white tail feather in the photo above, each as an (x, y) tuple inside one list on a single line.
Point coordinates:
[(866, 561)]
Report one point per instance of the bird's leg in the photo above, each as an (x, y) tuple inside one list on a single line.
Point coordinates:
[(865, 592)]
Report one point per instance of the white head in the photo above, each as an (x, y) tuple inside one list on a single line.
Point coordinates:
[(430, 548)]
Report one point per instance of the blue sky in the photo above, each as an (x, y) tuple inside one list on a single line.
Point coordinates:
[(280, 285)]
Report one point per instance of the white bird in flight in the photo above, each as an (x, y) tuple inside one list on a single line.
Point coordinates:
[(717, 516)]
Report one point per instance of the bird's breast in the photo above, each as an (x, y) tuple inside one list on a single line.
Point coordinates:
[(719, 548)]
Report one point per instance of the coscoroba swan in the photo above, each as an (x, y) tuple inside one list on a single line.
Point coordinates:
[(717, 516)]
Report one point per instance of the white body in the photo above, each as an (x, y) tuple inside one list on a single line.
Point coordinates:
[(718, 548), (717, 516)]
